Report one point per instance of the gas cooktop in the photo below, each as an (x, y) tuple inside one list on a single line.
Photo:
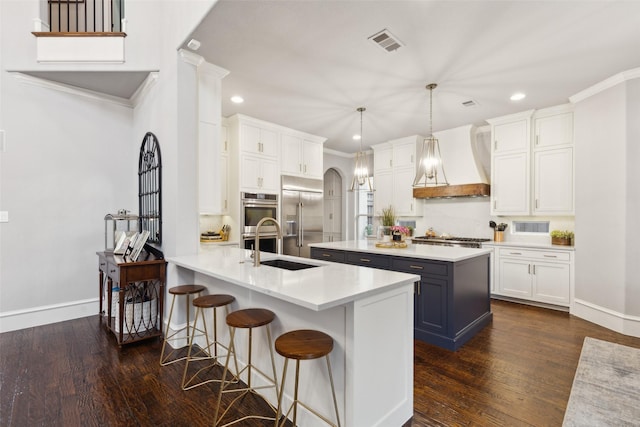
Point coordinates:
[(466, 242)]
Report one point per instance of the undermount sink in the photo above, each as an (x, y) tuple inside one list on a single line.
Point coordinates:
[(287, 265)]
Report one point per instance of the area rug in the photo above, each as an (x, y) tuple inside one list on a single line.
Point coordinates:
[(606, 387)]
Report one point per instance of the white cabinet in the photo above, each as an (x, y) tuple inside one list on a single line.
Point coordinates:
[(553, 185), (538, 275), (254, 144), (301, 155), (510, 160), (259, 174), (212, 164), (258, 140), (532, 171), (394, 171)]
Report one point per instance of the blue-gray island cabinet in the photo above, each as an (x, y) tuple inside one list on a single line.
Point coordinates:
[(452, 299)]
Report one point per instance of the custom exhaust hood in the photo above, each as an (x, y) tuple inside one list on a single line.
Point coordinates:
[(465, 153)]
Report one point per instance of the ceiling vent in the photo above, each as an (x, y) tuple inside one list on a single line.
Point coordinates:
[(469, 103), (386, 40)]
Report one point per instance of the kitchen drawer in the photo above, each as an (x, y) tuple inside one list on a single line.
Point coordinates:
[(368, 260), (417, 266), (535, 255), (327, 255)]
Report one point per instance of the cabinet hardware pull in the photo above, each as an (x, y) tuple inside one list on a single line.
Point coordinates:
[(533, 268), (537, 139), (305, 168), (495, 144), (416, 267), (551, 256), (537, 203), (515, 253), (412, 158), (112, 271), (529, 269), (299, 167), (225, 146), (390, 163), (417, 286), (365, 260), (495, 204), (326, 255)]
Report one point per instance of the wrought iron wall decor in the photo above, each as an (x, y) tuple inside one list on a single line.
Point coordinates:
[(150, 188)]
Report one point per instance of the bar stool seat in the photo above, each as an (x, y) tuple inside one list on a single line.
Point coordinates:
[(249, 318), (210, 351), (186, 290), (304, 344)]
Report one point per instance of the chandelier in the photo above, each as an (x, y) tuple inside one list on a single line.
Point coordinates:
[(430, 162), (361, 179)]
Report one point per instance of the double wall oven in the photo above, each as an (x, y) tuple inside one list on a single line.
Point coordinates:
[(256, 206)]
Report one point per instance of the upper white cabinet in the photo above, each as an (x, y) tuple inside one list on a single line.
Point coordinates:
[(301, 155), (262, 151), (394, 171), (532, 163), (553, 182), (258, 140)]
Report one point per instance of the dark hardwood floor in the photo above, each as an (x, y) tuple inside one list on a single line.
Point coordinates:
[(517, 371)]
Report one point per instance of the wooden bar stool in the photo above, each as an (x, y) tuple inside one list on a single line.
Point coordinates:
[(206, 353), (246, 319), (186, 290), (304, 344)]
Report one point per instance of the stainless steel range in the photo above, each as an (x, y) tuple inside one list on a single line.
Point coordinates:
[(464, 242)]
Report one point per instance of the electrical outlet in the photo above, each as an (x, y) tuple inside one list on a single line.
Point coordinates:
[(4, 216)]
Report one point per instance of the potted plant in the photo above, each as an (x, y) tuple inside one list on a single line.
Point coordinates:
[(562, 237), (387, 219)]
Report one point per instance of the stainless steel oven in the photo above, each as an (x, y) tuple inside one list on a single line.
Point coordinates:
[(256, 206)]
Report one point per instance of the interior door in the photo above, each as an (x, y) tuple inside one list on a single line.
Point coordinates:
[(311, 220)]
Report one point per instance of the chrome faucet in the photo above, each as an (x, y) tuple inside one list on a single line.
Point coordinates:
[(256, 258)]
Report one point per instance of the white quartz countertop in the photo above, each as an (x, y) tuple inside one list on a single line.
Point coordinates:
[(432, 252), (326, 286)]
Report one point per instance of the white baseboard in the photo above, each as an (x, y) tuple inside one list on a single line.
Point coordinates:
[(46, 314), (607, 318)]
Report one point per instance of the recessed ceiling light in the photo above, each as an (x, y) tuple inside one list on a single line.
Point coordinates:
[(518, 96), (237, 99), (356, 137)]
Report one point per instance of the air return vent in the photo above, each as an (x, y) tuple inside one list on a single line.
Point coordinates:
[(386, 40)]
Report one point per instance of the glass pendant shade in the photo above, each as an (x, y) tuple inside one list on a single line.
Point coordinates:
[(430, 171), (361, 178)]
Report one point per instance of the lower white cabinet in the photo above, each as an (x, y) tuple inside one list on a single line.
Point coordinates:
[(539, 275)]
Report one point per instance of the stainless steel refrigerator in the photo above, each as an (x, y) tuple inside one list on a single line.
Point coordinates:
[(301, 214)]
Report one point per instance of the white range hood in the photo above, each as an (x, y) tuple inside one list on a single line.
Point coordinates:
[(465, 153)]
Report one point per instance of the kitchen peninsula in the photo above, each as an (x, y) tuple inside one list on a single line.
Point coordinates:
[(452, 300), (368, 312)]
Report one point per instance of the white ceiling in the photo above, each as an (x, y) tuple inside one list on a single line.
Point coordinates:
[(308, 64)]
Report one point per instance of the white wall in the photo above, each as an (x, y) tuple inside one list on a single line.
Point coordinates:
[(607, 207), (70, 160)]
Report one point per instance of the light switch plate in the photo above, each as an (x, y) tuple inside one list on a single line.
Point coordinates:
[(4, 216)]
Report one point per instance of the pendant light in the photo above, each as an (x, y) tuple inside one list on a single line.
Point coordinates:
[(430, 166), (361, 179)]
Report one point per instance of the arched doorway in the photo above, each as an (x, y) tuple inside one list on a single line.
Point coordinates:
[(332, 226)]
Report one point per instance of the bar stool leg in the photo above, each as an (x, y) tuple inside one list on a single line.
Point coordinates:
[(333, 389), (166, 338)]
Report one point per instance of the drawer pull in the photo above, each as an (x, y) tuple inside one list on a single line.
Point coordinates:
[(365, 260), (416, 267), (551, 256), (326, 255), (112, 271), (515, 253)]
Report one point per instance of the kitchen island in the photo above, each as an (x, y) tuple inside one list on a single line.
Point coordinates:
[(453, 297), (368, 312)]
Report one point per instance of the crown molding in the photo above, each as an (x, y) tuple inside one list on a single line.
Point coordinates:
[(144, 88), (605, 84)]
